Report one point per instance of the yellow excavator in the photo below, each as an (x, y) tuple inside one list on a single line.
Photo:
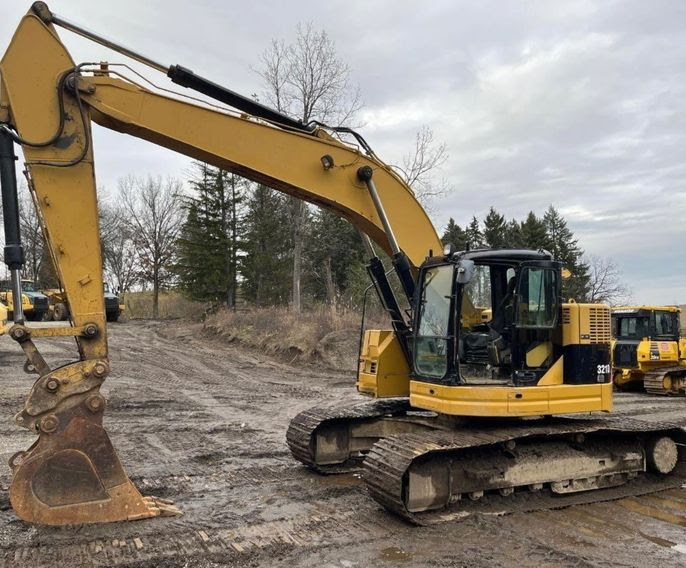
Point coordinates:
[(454, 401), (648, 350)]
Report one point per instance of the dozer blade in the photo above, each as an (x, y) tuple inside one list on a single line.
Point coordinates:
[(72, 474)]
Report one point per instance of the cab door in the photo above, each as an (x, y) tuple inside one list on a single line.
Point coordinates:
[(537, 307)]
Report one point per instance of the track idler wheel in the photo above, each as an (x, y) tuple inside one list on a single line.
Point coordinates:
[(662, 454), (72, 474)]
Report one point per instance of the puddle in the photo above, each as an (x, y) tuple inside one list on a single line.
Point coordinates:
[(394, 554), (659, 541), (653, 512), (666, 502)]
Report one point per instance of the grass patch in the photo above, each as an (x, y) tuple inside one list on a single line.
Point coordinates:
[(318, 335), (172, 305)]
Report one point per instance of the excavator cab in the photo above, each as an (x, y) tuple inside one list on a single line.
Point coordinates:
[(519, 343), (522, 290), (559, 351)]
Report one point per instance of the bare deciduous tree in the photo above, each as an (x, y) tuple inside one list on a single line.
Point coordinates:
[(154, 218), (308, 80), (120, 258), (31, 234), (420, 165), (605, 281)]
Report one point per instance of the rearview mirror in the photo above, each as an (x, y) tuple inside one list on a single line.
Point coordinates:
[(465, 271)]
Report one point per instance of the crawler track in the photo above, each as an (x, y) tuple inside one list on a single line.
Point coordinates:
[(653, 381), (387, 465), (301, 430)]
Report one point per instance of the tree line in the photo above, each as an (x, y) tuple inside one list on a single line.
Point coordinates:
[(221, 239), (591, 278)]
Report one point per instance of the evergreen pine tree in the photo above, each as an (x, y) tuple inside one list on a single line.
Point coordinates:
[(494, 232), (268, 247), (513, 234), (209, 241), (191, 250), (565, 248), (533, 233), (474, 235), (333, 253), (455, 235)]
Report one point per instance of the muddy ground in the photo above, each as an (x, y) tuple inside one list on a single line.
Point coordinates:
[(203, 423)]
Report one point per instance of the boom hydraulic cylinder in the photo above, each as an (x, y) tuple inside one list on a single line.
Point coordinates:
[(14, 253)]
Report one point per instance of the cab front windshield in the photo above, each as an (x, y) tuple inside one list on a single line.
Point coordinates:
[(666, 325), (632, 327), (431, 343), (28, 286)]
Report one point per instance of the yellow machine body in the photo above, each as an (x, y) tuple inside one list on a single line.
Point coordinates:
[(383, 372), (3, 318), (34, 304), (8, 300)]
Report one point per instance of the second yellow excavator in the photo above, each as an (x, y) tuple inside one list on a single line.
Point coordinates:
[(464, 407)]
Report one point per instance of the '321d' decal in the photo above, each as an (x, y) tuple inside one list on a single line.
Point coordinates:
[(603, 372)]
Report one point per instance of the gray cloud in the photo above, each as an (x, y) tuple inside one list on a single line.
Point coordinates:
[(579, 104)]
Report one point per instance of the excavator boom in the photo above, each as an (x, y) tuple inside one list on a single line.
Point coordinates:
[(72, 474)]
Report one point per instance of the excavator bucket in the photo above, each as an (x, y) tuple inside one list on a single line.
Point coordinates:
[(72, 473), (74, 476)]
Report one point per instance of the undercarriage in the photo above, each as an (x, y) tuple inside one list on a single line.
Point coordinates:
[(666, 381), (427, 467)]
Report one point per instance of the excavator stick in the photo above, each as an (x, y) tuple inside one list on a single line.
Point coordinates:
[(71, 474)]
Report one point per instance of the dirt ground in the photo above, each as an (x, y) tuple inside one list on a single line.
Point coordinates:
[(203, 423)]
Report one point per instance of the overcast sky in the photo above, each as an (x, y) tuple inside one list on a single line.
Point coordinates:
[(577, 104)]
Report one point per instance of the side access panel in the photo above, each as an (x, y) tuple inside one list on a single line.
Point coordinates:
[(383, 371)]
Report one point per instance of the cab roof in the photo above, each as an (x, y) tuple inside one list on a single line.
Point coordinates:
[(634, 309), (516, 255)]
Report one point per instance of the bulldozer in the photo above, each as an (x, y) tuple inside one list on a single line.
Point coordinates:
[(432, 430), (648, 350)]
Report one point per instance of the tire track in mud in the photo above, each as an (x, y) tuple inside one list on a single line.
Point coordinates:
[(219, 545)]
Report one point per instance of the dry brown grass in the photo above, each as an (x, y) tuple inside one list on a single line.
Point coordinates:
[(318, 335), (172, 306)]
